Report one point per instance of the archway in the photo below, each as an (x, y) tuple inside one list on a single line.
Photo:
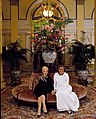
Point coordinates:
[(34, 14)]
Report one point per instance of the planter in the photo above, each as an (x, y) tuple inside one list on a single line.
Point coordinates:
[(15, 78), (83, 76), (49, 57)]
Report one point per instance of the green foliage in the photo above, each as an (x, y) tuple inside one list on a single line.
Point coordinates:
[(49, 35), (82, 54), (61, 23), (14, 54), (58, 24)]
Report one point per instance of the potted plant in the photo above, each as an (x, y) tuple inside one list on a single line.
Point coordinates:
[(82, 55), (49, 40), (12, 54), (49, 35)]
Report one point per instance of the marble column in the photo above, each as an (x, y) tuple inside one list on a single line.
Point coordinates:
[(1, 68), (80, 19), (14, 20), (94, 84)]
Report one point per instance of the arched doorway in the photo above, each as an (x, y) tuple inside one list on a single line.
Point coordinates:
[(34, 14)]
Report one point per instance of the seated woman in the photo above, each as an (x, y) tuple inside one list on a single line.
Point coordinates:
[(44, 86), (66, 99)]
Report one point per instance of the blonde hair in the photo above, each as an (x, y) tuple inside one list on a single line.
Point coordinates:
[(44, 67)]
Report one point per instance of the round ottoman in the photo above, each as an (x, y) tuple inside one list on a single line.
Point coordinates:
[(23, 93)]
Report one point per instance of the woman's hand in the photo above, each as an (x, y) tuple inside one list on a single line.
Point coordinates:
[(30, 87), (53, 92), (32, 75)]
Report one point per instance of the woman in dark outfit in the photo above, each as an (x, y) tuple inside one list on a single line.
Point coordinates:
[(44, 86)]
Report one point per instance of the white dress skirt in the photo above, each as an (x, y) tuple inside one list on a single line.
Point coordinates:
[(66, 99)]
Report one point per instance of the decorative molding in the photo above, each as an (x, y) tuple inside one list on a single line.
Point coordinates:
[(91, 16), (40, 16), (33, 5)]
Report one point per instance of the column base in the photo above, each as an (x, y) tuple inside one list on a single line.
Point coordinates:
[(3, 84)]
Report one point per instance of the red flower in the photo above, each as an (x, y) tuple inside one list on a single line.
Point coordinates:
[(50, 34)]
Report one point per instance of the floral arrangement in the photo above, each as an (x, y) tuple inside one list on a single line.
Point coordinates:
[(50, 36)]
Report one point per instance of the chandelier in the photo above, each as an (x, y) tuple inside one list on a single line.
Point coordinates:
[(47, 10), (48, 13)]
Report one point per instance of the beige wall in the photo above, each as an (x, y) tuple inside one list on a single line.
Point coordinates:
[(24, 24), (24, 5), (69, 4), (6, 8), (70, 7), (89, 6)]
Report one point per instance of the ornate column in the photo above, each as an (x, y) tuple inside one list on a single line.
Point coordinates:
[(14, 19), (94, 84), (80, 19), (1, 69)]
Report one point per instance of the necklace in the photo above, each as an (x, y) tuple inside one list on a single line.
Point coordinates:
[(43, 78)]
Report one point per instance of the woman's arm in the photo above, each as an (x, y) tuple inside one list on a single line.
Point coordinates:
[(50, 84), (66, 78), (55, 82)]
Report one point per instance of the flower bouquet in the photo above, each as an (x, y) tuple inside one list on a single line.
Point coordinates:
[(50, 36)]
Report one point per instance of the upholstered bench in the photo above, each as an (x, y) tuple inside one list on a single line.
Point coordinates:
[(23, 93)]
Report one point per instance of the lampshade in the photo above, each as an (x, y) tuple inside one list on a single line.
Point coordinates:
[(47, 9), (48, 13)]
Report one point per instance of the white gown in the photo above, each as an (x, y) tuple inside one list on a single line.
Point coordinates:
[(66, 99)]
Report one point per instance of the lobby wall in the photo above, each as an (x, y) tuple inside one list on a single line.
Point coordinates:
[(25, 9)]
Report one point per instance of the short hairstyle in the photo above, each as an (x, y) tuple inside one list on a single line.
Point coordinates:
[(60, 66), (44, 67)]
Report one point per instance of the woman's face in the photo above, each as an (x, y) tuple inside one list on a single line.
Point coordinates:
[(45, 72), (61, 70)]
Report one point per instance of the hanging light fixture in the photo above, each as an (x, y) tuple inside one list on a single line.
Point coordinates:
[(48, 13), (48, 10)]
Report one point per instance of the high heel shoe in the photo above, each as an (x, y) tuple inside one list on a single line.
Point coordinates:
[(38, 115), (69, 111), (45, 111)]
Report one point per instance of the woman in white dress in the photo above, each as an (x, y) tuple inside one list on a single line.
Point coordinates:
[(66, 99)]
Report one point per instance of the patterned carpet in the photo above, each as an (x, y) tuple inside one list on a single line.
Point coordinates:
[(10, 109)]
